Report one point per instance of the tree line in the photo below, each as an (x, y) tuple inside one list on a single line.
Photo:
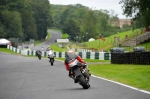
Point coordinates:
[(79, 20), (139, 10), (26, 19), (30, 19), (84, 22)]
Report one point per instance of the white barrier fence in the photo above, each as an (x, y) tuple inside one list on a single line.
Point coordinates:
[(84, 55)]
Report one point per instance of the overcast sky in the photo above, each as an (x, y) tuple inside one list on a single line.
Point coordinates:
[(95, 4)]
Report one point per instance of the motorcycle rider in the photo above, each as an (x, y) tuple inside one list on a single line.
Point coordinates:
[(42, 49), (38, 52), (50, 49), (70, 55)]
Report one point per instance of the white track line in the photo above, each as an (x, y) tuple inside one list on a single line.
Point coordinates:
[(144, 91), (122, 84)]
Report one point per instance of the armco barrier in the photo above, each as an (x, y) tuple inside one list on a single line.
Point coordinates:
[(84, 55)]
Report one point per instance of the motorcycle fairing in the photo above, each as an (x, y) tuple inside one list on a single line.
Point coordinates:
[(51, 54), (73, 63)]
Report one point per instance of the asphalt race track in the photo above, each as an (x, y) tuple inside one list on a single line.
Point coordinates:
[(54, 36), (30, 78)]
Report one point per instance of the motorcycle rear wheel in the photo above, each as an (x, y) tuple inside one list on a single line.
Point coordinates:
[(83, 82), (52, 62), (39, 57)]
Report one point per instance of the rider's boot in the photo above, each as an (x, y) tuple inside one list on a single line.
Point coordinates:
[(74, 78)]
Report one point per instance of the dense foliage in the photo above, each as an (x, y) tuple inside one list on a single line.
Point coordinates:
[(25, 19), (138, 9), (81, 22), (29, 19)]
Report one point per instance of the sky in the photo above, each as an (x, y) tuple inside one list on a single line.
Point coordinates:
[(95, 4)]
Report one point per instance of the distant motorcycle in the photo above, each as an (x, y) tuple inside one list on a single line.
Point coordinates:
[(51, 57), (80, 73), (39, 54)]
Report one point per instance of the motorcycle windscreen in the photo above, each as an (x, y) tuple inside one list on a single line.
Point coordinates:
[(70, 58)]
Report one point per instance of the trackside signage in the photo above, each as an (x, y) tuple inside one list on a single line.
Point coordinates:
[(63, 40)]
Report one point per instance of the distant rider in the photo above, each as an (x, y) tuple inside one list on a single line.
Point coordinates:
[(38, 52), (42, 49), (50, 50)]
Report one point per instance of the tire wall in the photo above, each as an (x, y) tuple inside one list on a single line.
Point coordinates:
[(131, 58)]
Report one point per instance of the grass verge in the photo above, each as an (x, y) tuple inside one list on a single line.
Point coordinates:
[(56, 48), (5, 50), (133, 75)]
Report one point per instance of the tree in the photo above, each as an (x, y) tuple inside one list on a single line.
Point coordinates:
[(64, 17), (28, 19), (137, 9), (113, 20), (2, 33), (71, 27), (92, 22), (89, 23), (57, 11), (28, 24), (12, 23), (41, 14)]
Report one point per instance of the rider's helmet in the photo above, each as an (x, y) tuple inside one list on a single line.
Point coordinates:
[(48, 48), (70, 51)]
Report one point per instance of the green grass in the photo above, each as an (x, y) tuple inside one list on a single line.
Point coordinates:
[(65, 36), (48, 36), (56, 48), (37, 42), (99, 44), (134, 75), (5, 50), (146, 45)]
